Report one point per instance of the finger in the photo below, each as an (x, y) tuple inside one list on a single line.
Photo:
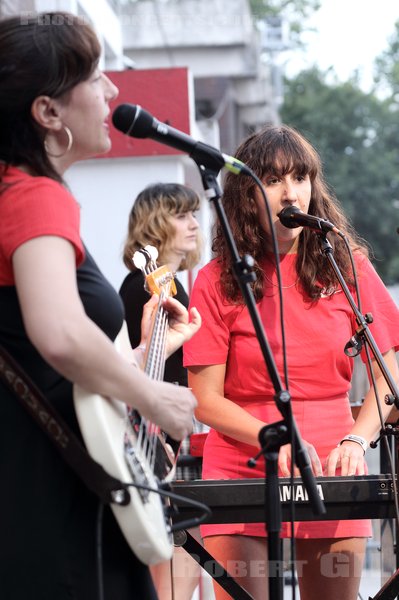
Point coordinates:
[(195, 317), (149, 307), (316, 463), (284, 464), (151, 302), (355, 465), (361, 469), (317, 468), (332, 463), (345, 462), (174, 307)]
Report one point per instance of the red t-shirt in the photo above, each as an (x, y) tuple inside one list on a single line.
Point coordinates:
[(32, 207), (316, 333)]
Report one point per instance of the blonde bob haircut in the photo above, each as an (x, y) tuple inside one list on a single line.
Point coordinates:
[(150, 223)]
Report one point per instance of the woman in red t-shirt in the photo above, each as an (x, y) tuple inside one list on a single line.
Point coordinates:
[(231, 382), (58, 318)]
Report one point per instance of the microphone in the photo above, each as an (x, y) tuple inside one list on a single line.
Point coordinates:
[(292, 217), (136, 122)]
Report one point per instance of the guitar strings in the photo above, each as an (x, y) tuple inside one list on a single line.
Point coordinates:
[(155, 366)]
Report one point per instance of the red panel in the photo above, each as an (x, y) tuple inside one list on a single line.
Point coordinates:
[(162, 92)]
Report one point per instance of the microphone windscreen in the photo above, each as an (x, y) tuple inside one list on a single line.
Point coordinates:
[(132, 120), (123, 117), (286, 215)]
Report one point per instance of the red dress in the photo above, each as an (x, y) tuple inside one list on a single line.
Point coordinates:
[(319, 371)]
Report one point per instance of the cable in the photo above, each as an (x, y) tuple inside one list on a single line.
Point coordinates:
[(285, 369), (187, 524), (99, 550)]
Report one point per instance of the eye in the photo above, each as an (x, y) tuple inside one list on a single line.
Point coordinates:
[(97, 75), (301, 177)]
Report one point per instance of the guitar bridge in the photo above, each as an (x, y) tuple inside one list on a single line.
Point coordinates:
[(137, 470)]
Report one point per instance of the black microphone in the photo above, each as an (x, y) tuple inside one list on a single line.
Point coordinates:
[(292, 217), (136, 122)]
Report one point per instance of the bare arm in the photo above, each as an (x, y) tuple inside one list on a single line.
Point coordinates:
[(57, 325), (207, 383), (230, 419)]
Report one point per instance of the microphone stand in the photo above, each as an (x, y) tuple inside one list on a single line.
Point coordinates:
[(272, 436), (363, 332), (391, 587)]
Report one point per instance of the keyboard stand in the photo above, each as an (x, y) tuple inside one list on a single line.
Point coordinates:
[(389, 590), (389, 530), (214, 568)]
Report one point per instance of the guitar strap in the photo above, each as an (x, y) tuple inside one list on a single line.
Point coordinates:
[(105, 486)]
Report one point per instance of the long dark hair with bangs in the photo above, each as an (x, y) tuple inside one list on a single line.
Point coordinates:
[(279, 150), (43, 54)]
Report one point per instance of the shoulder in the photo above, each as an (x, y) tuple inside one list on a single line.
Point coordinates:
[(210, 272), (133, 287), (36, 206), (18, 182), (134, 279), (39, 195), (364, 267), (181, 293)]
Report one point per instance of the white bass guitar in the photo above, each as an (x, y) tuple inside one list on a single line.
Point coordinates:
[(128, 446)]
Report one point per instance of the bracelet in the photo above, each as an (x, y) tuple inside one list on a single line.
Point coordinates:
[(357, 439)]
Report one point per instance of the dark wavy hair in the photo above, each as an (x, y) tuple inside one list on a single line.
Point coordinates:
[(279, 150), (149, 221), (43, 54)]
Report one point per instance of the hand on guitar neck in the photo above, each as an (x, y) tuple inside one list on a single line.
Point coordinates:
[(182, 325)]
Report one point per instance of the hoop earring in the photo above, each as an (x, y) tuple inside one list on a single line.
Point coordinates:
[(69, 144)]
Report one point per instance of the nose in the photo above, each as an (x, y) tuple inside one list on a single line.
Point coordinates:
[(193, 222), (290, 191), (111, 91)]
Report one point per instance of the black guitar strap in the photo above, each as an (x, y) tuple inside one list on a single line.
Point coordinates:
[(108, 488)]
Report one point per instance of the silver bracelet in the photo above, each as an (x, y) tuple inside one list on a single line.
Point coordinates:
[(357, 439)]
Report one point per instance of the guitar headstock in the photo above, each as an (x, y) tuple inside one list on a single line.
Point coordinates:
[(157, 279)]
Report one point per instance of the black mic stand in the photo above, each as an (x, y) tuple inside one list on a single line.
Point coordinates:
[(391, 588), (363, 333), (273, 436)]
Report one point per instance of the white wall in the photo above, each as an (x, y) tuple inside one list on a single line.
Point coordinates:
[(106, 189)]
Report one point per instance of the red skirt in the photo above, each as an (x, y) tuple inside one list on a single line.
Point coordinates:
[(322, 423)]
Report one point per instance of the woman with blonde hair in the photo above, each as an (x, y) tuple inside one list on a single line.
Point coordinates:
[(163, 216)]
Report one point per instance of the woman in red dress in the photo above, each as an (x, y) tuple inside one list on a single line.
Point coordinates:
[(230, 380)]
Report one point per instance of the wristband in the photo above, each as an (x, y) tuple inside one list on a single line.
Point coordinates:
[(357, 439)]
